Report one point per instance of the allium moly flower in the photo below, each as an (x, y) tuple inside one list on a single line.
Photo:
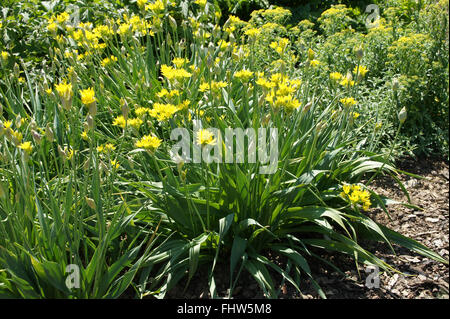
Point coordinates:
[(171, 73), (149, 143), (205, 137), (120, 121), (243, 75), (336, 76), (360, 70), (348, 101), (64, 90), (5, 55), (27, 147), (88, 96)]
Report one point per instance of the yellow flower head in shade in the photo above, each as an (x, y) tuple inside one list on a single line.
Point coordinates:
[(314, 63), (141, 3), (5, 55), (336, 76), (311, 54), (361, 70), (213, 86), (64, 90), (87, 96), (201, 3), (243, 75), (84, 135), (120, 121), (149, 142), (115, 164), (205, 137), (27, 147), (348, 101), (106, 148)]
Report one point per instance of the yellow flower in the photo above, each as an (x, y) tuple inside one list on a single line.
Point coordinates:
[(179, 62), (361, 70), (5, 55), (253, 32), (61, 18), (314, 63), (156, 7), (52, 27), (141, 3), (348, 101), (336, 76), (205, 137), (149, 142), (355, 115), (27, 147), (87, 96), (163, 112), (106, 148), (140, 111), (115, 164), (171, 73), (311, 54), (64, 90), (136, 123), (213, 86), (120, 121), (243, 75), (84, 135), (201, 3)]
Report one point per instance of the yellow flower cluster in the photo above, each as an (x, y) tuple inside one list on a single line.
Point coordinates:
[(106, 148), (348, 101), (170, 73), (243, 75), (88, 96), (149, 142), (360, 70), (205, 137), (134, 122), (108, 60), (213, 86), (280, 45), (281, 94), (163, 112), (356, 195)]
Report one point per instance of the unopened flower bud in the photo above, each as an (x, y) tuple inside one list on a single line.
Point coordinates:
[(307, 107), (311, 54), (91, 203), (90, 122), (402, 115), (173, 23), (36, 137), (395, 84), (49, 133), (16, 70), (359, 52), (125, 108)]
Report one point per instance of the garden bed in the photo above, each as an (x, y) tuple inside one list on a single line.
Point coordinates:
[(422, 277)]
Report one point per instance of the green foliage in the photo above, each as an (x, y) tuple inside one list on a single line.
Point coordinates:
[(86, 172)]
